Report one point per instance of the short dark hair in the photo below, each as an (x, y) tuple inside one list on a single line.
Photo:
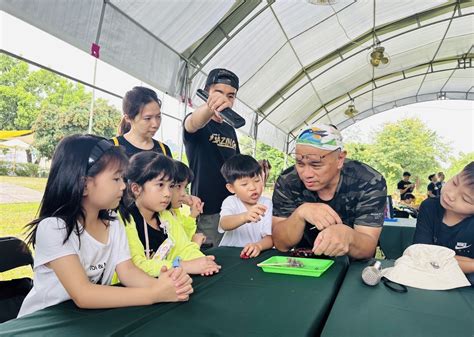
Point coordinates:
[(240, 166), (144, 166), (409, 196), (406, 174), (468, 174), (431, 176), (182, 172)]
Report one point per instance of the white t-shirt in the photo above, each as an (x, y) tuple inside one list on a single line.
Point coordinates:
[(99, 260), (249, 232)]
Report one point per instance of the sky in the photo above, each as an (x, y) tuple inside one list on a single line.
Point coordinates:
[(453, 120)]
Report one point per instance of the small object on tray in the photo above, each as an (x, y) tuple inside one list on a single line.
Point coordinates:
[(295, 266)]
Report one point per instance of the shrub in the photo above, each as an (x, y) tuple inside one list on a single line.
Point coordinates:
[(27, 170)]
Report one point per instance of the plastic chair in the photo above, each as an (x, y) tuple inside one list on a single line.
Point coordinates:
[(13, 253)]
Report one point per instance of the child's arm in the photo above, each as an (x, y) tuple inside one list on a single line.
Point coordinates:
[(153, 266), (173, 286), (193, 260), (466, 264), (254, 214), (205, 266), (187, 221), (254, 249), (132, 276), (196, 206)]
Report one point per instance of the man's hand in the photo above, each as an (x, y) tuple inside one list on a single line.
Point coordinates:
[(320, 215), (218, 102), (334, 240), (255, 213)]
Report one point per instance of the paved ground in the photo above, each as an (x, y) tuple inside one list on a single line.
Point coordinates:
[(10, 193)]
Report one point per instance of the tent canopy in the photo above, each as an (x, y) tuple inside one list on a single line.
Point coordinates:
[(298, 61)]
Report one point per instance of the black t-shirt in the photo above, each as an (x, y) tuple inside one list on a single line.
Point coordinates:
[(440, 186), (130, 149), (207, 149), (433, 187), (155, 237), (359, 199), (401, 186), (431, 230)]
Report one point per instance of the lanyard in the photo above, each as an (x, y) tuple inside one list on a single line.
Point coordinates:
[(147, 241)]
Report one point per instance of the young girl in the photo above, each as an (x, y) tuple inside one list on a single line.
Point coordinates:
[(78, 242), (186, 217), (155, 238)]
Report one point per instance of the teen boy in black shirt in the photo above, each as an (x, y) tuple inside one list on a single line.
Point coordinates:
[(449, 220)]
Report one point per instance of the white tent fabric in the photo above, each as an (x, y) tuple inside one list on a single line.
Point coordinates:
[(299, 61)]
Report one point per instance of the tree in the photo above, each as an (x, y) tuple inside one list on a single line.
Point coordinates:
[(22, 93), (53, 106), (458, 164), (264, 151), (55, 122), (406, 145)]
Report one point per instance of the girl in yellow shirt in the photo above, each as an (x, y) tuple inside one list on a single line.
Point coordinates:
[(155, 236), (186, 208)]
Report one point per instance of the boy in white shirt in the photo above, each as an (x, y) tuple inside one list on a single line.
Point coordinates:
[(246, 216)]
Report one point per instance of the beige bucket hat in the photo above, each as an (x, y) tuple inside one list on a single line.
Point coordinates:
[(428, 267)]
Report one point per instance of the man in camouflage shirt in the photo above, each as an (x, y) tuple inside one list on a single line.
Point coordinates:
[(327, 202)]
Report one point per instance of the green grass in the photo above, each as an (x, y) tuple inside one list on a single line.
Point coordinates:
[(37, 184), (13, 218)]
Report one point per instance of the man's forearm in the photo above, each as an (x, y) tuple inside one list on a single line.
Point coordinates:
[(362, 245), (287, 232), (198, 119)]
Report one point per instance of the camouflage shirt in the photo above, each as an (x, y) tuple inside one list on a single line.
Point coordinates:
[(359, 199)]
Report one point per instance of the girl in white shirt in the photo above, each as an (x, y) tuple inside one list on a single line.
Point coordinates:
[(78, 242)]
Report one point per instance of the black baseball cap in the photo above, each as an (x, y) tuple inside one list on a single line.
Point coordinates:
[(220, 75)]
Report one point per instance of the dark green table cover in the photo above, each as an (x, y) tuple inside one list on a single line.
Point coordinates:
[(241, 301), (396, 237), (363, 311)]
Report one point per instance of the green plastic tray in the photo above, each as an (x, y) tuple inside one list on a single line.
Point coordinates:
[(311, 267)]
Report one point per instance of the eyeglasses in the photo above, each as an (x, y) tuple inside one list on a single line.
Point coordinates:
[(97, 151), (313, 158)]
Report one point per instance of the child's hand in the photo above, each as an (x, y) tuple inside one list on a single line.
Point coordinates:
[(255, 213), (204, 266), (172, 286), (251, 250), (196, 206), (199, 238)]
